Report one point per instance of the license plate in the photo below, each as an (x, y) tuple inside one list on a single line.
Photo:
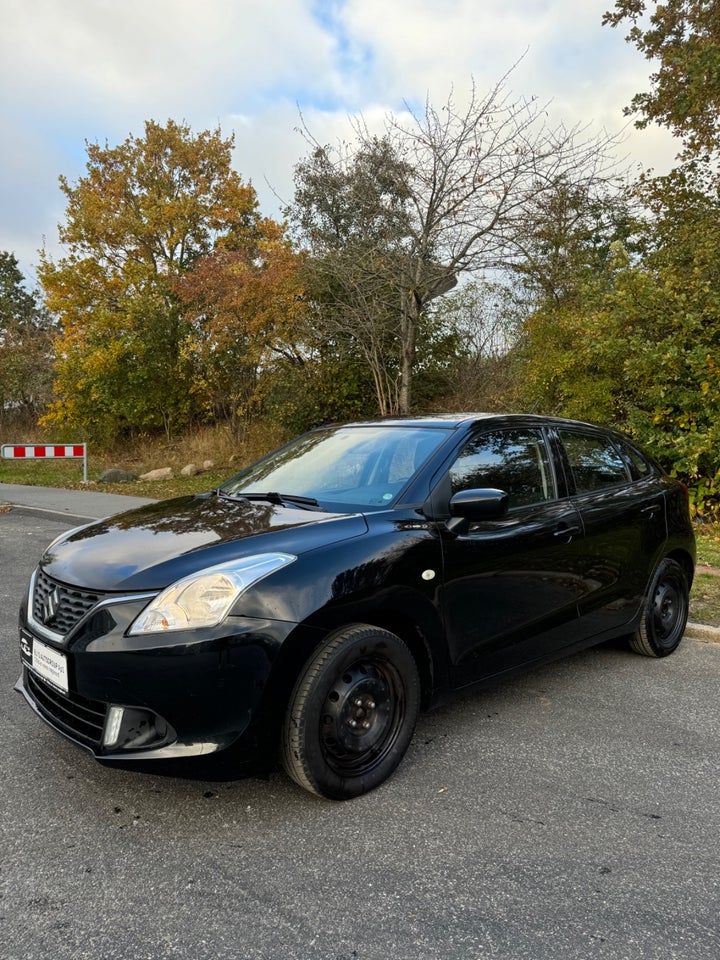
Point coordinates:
[(50, 664)]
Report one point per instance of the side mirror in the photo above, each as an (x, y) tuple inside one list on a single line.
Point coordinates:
[(473, 506)]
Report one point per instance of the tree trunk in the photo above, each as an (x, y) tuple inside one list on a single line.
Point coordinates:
[(409, 317)]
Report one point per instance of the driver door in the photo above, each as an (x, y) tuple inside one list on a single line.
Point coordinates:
[(511, 586)]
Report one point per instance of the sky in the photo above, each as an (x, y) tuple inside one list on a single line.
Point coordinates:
[(77, 71)]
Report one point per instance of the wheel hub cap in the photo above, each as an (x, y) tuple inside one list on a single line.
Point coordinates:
[(356, 710), (666, 609)]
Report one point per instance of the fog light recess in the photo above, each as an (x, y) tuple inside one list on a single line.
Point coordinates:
[(134, 728), (113, 725)]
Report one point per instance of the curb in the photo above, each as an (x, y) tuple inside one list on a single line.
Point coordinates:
[(702, 631), (69, 506), (47, 512)]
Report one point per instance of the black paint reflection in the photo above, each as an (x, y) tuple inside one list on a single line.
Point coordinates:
[(109, 553)]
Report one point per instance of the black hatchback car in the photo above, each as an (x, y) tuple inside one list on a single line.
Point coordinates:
[(322, 596)]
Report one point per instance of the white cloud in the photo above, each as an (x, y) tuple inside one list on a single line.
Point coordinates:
[(97, 69), (178, 52)]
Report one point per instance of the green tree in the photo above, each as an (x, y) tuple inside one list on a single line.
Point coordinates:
[(16, 304), (683, 38), (351, 213), (141, 217), (26, 354), (568, 234), (675, 359), (321, 382), (639, 346), (670, 303), (568, 259), (573, 351)]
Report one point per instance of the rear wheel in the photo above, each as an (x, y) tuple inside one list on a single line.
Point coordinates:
[(352, 713), (665, 613)]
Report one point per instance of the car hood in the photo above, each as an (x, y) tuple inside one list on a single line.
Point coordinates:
[(150, 547)]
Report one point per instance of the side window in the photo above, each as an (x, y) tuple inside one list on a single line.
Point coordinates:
[(594, 461), (515, 461)]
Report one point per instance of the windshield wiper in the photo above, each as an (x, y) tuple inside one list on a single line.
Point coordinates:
[(281, 499)]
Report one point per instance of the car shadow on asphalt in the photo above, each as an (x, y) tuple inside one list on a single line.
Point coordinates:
[(223, 767)]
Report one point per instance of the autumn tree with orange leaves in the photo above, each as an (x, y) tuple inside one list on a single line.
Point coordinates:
[(245, 311), (146, 214)]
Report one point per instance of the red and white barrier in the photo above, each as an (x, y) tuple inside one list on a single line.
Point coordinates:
[(12, 451), (40, 451)]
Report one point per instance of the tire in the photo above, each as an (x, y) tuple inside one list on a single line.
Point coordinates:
[(352, 713), (665, 612)]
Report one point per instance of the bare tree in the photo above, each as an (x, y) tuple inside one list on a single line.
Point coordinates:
[(440, 194)]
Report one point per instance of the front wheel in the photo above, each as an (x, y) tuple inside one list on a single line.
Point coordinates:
[(352, 713), (665, 612)]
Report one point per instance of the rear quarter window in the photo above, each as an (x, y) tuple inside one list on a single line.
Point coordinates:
[(640, 466)]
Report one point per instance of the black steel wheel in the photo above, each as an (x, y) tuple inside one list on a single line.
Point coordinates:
[(665, 614), (352, 713)]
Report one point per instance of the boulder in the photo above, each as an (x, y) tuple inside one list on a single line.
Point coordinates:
[(114, 475), (162, 473), (191, 470)]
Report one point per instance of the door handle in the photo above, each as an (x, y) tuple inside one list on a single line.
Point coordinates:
[(650, 510), (566, 530)]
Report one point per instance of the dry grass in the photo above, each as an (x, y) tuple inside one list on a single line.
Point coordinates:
[(145, 454)]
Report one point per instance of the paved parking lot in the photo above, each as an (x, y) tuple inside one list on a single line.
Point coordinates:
[(569, 814)]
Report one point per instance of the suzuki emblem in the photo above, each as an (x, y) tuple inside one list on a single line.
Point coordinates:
[(50, 605)]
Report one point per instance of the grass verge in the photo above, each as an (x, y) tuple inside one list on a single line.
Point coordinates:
[(216, 444), (705, 594), (705, 599)]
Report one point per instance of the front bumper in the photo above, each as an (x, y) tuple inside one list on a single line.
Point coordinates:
[(159, 696)]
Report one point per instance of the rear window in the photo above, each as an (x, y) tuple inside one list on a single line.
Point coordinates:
[(594, 461)]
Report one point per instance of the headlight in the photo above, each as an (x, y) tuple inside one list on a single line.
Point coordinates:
[(204, 599)]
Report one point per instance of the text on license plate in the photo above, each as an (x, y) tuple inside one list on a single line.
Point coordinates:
[(50, 664)]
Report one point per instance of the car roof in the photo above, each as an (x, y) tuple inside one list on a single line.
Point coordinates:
[(455, 420), (426, 420)]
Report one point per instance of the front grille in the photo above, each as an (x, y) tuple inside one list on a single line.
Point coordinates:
[(58, 606), (81, 719)]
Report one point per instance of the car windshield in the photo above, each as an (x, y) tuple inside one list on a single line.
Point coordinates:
[(355, 466)]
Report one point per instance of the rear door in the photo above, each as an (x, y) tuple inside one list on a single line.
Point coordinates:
[(621, 499)]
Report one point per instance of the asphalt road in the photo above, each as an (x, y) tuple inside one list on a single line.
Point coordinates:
[(571, 814)]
